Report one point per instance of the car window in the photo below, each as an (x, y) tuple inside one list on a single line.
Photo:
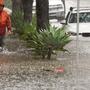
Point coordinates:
[(87, 18), (83, 17), (73, 18)]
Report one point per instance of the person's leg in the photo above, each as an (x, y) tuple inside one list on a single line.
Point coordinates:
[(1, 42)]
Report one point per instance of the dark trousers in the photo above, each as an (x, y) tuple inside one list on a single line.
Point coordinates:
[(1, 41)]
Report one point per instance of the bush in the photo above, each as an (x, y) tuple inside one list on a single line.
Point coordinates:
[(46, 41), (43, 42), (23, 29)]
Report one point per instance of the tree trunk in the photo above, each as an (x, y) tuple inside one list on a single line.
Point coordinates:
[(42, 13), (64, 7), (17, 12), (16, 5), (27, 8)]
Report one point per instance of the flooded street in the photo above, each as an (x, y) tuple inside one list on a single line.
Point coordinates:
[(21, 72), (18, 72)]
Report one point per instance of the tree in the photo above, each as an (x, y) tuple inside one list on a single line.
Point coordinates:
[(17, 15), (64, 7), (42, 13), (16, 5), (27, 8)]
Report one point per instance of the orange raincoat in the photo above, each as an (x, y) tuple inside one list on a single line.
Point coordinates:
[(5, 22)]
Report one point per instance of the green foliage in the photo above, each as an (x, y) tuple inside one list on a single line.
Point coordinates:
[(43, 42), (46, 41), (28, 30), (18, 22), (23, 29), (8, 3)]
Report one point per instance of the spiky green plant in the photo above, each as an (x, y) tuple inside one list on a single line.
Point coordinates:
[(48, 40)]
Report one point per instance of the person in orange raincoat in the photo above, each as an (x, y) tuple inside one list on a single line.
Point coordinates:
[(5, 22)]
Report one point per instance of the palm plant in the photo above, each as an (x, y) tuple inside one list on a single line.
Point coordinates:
[(46, 41), (21, 28)]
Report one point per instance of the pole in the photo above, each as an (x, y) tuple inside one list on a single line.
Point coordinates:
[(77, 38), (77, 42)]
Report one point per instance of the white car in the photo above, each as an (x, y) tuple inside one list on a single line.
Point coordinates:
[(56, 9), (84, 21)]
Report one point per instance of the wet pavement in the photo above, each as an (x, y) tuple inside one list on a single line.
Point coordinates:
[(18, 72)]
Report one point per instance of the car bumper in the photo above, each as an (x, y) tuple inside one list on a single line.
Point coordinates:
[(84, 34)]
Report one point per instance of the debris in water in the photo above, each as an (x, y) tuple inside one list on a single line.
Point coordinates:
[(59, 70)]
